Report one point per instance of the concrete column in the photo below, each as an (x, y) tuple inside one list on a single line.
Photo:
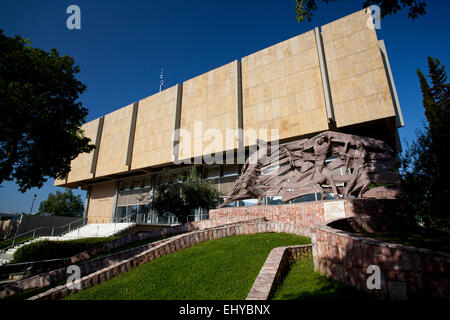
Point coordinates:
[(131, 135), (176, 124), (98, 139), (325, 79), (153, 178), (387, 67), (116, 195), (86, 203), (239, 113)]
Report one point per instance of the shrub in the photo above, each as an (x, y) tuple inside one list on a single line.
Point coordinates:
[(9, 242), (46, 249), (181, 195)]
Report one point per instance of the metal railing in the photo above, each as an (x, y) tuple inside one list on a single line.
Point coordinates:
[(35, 233), (32, 267), (203, 215), (83, 223), (126, 219)]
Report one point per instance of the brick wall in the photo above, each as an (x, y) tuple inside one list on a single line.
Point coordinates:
[(274, 270), (102, 269), (305, 214), (406, 271), (85, 260)]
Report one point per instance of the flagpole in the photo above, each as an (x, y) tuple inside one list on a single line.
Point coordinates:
[(161, 80)]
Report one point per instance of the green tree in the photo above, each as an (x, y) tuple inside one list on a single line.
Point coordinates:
[(425, 169), (62, 204), (40, 117), (180, 196), (305, 8)]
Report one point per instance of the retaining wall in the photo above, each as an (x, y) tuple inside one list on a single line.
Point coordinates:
[(406, 272), (88, 264), (164, 247), (274, 270), (305, 214)]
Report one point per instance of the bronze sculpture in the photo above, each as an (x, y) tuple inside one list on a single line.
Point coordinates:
[(335, 162)]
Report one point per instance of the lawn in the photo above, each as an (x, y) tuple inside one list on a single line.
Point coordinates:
[(302, 283), (131, 245), (215, 269), (49, 249)]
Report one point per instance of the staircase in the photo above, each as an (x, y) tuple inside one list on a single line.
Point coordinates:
[(93, 230)]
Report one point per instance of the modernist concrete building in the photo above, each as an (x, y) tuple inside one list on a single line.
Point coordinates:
[(336, 77)]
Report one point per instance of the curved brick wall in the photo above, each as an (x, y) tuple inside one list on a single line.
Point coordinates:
[(88, 264), (164, 247), (345, 257)]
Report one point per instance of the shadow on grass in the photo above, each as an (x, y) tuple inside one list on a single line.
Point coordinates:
[(302, 283)]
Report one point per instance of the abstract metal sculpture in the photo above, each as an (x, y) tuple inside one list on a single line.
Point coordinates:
[(344, 164)]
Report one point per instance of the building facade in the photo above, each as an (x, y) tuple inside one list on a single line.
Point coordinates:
[(335, 77)]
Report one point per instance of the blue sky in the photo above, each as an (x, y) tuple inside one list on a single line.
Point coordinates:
[(122, 46)]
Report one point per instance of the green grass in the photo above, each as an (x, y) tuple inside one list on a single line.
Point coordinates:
[(32, 292), (216, 269), (46, 249), (131, 245), (302, 283)]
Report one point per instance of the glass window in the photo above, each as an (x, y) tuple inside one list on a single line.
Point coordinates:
[(124, 185), (121, 213), (148, 183), (328, 196), (306, 198), (133, 210), (274, 200), (248, 202), (213, 173), (142, 215), (229, 171)]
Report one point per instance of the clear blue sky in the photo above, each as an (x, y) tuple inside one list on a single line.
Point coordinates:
[(122, 46)]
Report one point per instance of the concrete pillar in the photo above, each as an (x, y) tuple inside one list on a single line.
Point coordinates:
[(387, 67), (86, 203), (116, 195), (131, 135), (98, 139), (177, 121), (325, 79)]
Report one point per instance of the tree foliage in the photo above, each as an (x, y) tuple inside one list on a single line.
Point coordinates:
[(40, 117), (62, 204), (416, 8), (180, 196), (425, 169)]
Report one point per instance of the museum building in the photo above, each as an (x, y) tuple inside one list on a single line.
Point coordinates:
[(336, 77)]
